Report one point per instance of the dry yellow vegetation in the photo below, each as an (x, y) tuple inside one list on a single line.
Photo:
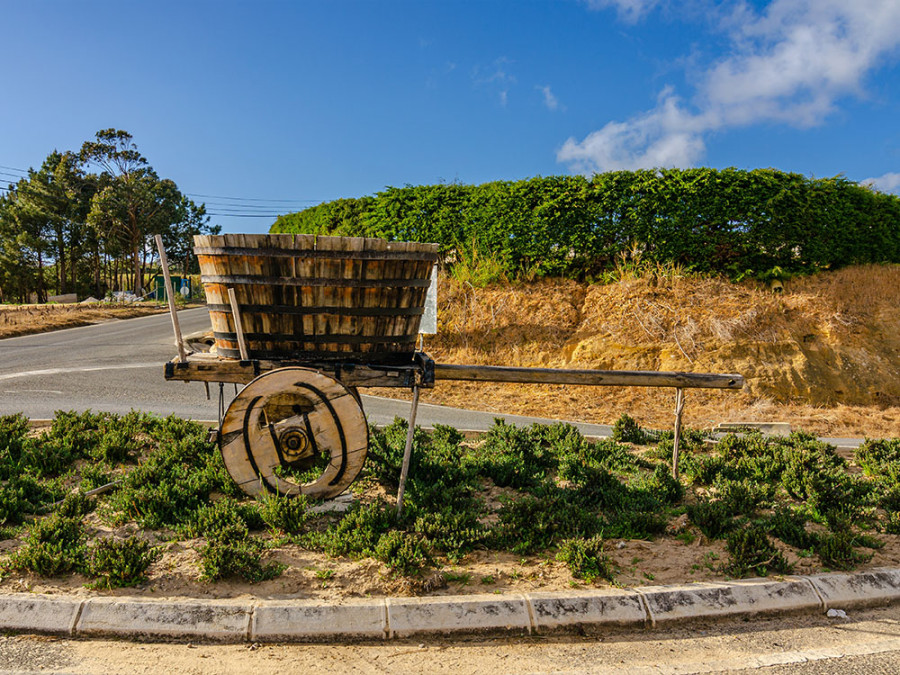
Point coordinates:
[(18, 320), (823, 355)]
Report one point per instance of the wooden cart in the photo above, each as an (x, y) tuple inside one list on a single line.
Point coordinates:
[(303, 322)]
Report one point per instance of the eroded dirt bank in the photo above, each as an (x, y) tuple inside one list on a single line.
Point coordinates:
[(823, 355)]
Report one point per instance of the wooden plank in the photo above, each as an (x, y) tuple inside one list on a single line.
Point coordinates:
[(206, 368), (606, 378)]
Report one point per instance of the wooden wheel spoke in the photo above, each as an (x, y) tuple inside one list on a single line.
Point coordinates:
[(290, 422)]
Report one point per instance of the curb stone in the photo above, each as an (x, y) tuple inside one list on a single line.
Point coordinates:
[(461, 613), (39, 613), (287, 620), (219, 620), (308, 620), (878, 586), (710, 600)]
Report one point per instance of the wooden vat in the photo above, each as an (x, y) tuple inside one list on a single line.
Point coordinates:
[(309, 297)]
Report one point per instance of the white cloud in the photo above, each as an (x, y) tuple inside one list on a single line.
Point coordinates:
[(550, 99), (790, 64), (665, 136), (497, 77), (630, 11), (889, 182)]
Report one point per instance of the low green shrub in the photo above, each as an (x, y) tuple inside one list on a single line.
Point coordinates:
[(713, 518), (236, 556), (789, 525), (627, 430), (120, 563), (54, 546), (404, 553), (284, 513), (836, 550), (751, 552), (586, 560)]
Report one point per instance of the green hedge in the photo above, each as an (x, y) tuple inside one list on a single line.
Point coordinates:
[(728, 221)]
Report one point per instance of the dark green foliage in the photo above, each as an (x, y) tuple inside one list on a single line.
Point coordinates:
[(532, 524), (627, 430), (287, 514), (661, 486), (720, 221), (836, 550), (713, 518), (626, 524), (23, 495), (74, 505), (120, 563), (453, 532), (94, 476), (586, 560), (744, 496), (54, 545), (403, 552), (358, 532), (234, 556), (880, 458), (751, 552), (175, 480), (510, 457), (790, 526), (230, 550)]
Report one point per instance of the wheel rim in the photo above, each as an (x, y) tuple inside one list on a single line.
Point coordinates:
[(294, 431)]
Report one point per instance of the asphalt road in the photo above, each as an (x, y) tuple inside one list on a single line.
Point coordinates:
[(117, 366)]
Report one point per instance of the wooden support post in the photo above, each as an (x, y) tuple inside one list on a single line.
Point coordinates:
[(164, 262), (679, 409), (238, 328), (407, 451)]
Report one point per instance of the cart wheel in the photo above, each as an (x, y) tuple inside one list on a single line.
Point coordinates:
[(294, 431)]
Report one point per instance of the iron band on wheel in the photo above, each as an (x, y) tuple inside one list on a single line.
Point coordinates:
[(294, 421)]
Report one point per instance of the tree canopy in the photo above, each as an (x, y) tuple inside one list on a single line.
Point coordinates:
[(67, 229)]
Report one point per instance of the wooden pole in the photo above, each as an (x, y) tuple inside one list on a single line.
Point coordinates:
[(182, 356), (238, 328), (407, 451), (625, 378), (679, 409)]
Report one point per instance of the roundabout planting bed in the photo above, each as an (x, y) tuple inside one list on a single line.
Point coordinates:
[(517, 509)]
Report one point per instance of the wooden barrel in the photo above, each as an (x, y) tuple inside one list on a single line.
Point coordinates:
[(313, 298)]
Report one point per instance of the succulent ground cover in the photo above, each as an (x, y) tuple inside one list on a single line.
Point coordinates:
[(540, 493)]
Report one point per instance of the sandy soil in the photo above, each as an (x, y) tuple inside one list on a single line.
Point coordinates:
[(682, 556)]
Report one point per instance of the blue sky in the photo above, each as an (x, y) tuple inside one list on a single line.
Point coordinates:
[(280, 105)]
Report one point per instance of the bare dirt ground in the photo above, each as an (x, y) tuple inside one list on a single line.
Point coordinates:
[(16, 320), (824, 355)]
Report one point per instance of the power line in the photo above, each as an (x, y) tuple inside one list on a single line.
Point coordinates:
[(251, 199), (12, 168), (244, 215)]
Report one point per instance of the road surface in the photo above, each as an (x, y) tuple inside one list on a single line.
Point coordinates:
[(117, 366)]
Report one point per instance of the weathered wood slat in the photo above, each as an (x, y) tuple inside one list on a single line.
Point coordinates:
[(610, 378), (296, 292)]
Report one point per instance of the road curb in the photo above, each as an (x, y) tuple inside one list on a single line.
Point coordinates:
[(237, 621)]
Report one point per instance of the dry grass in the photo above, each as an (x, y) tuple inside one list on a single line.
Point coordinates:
[(824, 355), (18, 320)]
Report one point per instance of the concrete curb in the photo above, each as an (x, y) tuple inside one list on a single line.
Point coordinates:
[(237, 621)]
